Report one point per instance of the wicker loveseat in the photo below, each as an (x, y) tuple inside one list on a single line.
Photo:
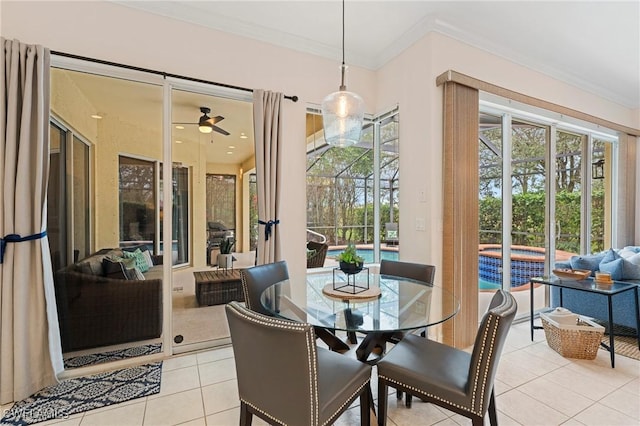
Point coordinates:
[(95, 310)]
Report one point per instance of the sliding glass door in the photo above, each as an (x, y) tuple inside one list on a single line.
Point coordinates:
[(539, 201)]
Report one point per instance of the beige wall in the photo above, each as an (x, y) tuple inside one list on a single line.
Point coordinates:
[(114, 33)]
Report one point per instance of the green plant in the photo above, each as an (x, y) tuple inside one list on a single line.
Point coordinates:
[(350, 255), (226, 245)]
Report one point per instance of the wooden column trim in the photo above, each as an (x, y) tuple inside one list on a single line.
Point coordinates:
[(460, 216), (456, 77)]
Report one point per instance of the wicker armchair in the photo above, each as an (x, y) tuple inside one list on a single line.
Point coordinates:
[(316, 254)]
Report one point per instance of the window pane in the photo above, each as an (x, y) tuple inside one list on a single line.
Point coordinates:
[(137, 201), (568, 191), (180, 197)]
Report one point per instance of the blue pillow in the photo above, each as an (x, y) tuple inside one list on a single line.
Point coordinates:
[(615, 268), (587, 261)]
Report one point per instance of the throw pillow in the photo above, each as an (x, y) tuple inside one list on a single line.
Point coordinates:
[(615, 268), (587, 261), (113, 269), (138, 274), (148, 258), (621, 269), (141, 262)]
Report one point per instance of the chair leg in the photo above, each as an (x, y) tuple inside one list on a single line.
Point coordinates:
[(398, 394), (382, 402), (407, 401), (493, 418), (246, 417), (366, 404)]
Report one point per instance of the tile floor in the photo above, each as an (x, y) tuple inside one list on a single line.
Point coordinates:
[(534, 386)]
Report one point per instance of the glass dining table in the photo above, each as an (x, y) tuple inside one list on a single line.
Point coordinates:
[(389, 307)]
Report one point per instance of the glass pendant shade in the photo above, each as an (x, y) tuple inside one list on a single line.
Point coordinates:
[(342, 118)]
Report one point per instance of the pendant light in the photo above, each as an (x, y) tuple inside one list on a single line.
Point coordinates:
[(342, 111)]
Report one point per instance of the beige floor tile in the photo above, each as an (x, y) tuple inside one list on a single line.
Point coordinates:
[(528, 411), (71, 421), (179, 361), (197, 422), (527, 361), (126, 415), (632, 387), (420, 413), (584, 385), (623, 401), (215, 355), (558, 397), (220, 396), (174, 381), (227, 417), (174, 409), (599, 414), (512, 373), (217, 371)]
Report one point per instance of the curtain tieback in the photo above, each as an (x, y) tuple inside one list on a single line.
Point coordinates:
[(267, 227), (15, 238)]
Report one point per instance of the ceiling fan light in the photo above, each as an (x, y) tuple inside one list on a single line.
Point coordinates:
[(342, 118), (205, 128)]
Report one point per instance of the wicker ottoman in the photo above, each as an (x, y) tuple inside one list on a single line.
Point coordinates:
[(218, 287)]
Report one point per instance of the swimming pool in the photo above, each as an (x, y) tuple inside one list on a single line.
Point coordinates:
[(367, 254), (526, 262)]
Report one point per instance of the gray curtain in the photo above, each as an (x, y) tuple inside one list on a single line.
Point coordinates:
[(268, 135), (28, 320)]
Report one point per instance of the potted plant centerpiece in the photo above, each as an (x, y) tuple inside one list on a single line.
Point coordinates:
[(225, 258), (350, 262)]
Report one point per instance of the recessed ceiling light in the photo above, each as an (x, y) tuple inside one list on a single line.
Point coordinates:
[(243, 136), (178, 141), (229, 152), (231, 147), (96, 116), (179, 127)]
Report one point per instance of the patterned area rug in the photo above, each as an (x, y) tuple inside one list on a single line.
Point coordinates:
[(86, 393), (99, 358), (625, 341)]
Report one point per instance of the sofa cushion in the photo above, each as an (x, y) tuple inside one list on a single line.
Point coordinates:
[(113, 269), (587, 261), (619, 267), (141, 261), (154, 273)]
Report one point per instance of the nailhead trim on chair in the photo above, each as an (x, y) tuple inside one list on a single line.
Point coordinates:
[(263, 412), (493, 328), (475, 410), (339, 410), (311, 356)]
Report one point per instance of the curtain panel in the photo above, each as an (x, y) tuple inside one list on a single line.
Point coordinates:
[(29, 333), (267, 125)]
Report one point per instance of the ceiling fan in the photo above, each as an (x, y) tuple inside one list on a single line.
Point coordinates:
[(207, 124)]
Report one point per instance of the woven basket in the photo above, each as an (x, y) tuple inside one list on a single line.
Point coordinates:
[(579, 341)]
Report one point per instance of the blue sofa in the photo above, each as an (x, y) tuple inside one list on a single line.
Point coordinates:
[(595, 305)]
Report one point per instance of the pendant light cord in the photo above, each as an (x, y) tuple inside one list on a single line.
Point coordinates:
[(343, 67)]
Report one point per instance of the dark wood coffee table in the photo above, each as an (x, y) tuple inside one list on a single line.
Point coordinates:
[(218, 286)]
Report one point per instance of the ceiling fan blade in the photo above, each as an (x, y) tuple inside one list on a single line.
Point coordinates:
[(214, 120), (219, 130)]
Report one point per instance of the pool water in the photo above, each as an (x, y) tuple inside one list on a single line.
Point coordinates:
[(367, 254)]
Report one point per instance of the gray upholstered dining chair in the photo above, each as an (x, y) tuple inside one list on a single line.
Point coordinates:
[(412, 271), (256, 279), (302, 385), (451, 378)]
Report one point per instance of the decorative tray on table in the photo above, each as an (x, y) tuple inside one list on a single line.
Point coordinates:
[(572, 274)]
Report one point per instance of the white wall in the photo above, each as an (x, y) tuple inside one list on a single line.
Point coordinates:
[(115, 33)]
